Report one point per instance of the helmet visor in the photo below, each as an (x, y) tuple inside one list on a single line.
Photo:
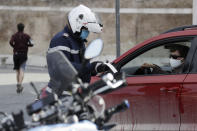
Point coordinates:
[(95, 26), (98, 19)]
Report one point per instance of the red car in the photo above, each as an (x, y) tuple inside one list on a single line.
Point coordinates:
[(162, 101)]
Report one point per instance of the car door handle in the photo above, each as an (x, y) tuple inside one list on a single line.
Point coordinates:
[(172, 89)]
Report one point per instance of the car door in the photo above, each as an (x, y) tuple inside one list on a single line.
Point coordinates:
[(188, 99), (154, 98)]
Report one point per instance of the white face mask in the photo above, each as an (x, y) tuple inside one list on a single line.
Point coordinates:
[(175, 63)]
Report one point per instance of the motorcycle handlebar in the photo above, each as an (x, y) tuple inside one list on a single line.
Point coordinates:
[(108, 83), (121, 107), (109, 112), (96, 85)]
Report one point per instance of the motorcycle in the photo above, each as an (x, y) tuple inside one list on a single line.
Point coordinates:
[(80, 107)]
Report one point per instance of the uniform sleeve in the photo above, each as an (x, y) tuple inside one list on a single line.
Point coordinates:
[(84, 70), (79, 66), (62, 44)]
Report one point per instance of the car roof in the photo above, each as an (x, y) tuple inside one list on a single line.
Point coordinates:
[(182, 28), (178, 31)]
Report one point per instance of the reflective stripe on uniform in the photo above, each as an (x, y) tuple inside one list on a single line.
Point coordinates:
[(63, 48)]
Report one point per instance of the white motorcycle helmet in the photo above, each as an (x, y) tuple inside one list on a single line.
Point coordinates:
[(82, 17)]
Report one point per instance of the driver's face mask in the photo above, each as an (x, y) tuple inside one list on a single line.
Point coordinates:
[(175, 63), (84, 34)]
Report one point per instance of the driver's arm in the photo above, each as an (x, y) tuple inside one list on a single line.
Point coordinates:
[(155, 68)]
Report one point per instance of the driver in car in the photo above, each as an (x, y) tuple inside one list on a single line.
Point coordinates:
[(71, 41), (177, 58)]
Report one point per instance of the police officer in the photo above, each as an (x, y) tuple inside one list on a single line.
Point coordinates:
[(81, 21)]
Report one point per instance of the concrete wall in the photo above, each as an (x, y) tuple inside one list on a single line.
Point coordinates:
[(135, 28)]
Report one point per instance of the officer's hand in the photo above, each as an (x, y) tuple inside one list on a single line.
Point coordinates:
[(100, 66)]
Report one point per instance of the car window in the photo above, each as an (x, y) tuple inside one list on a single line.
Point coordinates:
[(156, 60)]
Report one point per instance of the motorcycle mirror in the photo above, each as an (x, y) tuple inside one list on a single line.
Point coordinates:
[(94, 49)]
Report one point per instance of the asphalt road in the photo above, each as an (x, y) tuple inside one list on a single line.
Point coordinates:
[(10, 101)]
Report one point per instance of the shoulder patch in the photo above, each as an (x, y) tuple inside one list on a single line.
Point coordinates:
[(66, 35)]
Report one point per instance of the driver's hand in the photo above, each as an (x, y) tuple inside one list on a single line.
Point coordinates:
[(147, 65)]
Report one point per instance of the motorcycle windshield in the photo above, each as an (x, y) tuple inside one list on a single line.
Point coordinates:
[(60, 69)]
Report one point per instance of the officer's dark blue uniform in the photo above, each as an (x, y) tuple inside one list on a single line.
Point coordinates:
[(73, 48)]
